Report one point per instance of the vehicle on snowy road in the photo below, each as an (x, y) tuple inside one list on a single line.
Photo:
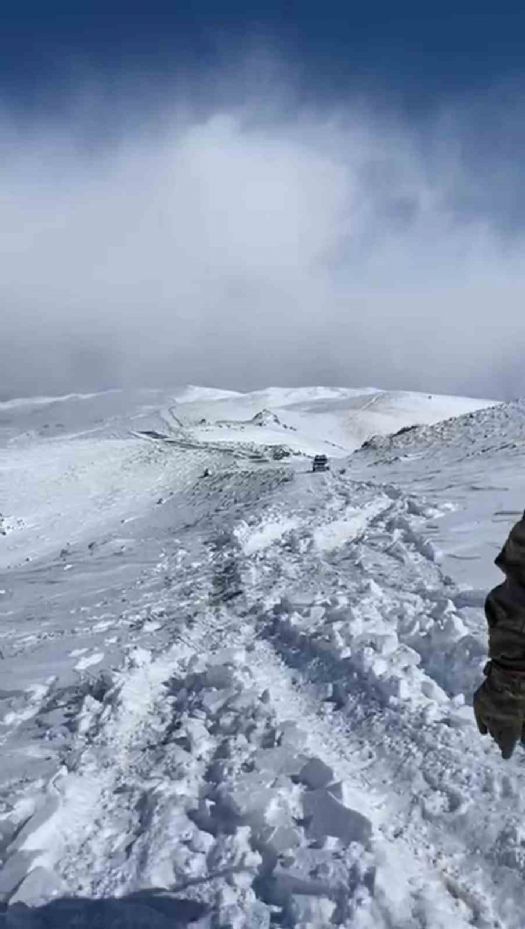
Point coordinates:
[(320, 463)]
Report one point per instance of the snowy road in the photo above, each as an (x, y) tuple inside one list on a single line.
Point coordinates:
[(246, 705)]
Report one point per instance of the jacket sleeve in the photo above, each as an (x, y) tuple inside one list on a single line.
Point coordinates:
[(505, 605)]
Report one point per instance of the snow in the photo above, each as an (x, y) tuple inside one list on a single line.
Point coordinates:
[(19, 402), (314, 419), (246, 702), (255, 539), (88, 661), (353, 523), (76, 488)]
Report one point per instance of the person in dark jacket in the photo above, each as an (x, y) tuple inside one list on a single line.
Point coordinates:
[(499, 704)]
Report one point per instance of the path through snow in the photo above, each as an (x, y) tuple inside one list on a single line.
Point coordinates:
[(270, 729)]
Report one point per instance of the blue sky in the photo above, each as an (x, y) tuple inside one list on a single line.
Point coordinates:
[(417, 50), (238, 194), (420, 50)]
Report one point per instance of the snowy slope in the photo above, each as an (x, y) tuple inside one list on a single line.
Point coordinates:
[(308, 419), (235, 693), (478, 461), (110, 412), (317, 419)]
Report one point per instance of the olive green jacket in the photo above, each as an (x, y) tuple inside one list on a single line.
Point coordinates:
[(505, 605)]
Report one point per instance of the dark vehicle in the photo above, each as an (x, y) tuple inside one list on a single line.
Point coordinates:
[(320, 463)]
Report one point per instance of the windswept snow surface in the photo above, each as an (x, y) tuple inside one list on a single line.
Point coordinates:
[(334, 420), (236, 694)]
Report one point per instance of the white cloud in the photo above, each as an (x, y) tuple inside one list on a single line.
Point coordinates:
[(237, 253)]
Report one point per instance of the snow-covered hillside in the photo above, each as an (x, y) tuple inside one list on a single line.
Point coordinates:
[(235, 693), (334, 420)]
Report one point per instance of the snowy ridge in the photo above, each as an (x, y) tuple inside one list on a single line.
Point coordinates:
[(498, 428), (19, 402)]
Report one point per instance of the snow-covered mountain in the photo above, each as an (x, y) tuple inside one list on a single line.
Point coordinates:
[(310, 419), (236, 693)]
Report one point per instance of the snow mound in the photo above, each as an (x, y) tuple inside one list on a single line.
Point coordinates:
[(266, 418), (501, 427)]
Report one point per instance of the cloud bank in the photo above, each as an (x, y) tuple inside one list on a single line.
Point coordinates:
[(242, 246)]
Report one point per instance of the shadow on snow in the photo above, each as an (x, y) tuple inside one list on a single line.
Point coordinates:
[(143, 910)]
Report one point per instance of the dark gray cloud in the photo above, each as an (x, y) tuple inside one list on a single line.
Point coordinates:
[(238, 248)]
